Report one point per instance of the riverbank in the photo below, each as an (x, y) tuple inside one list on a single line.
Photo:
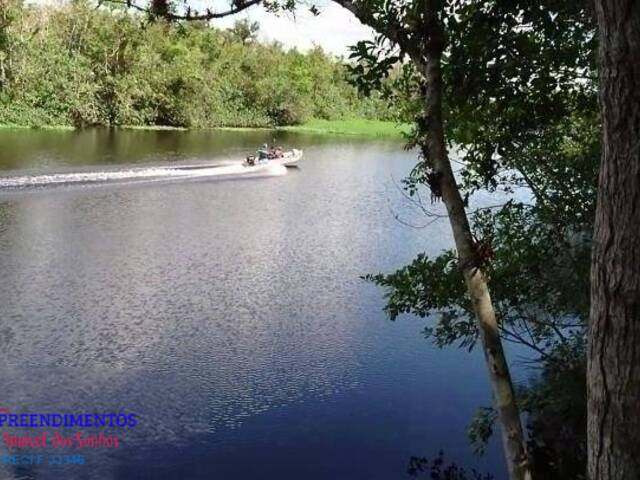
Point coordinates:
[(357, 126), (33, 127), (352, 127)]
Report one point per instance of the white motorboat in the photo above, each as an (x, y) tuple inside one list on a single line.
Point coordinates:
[(288, 159)]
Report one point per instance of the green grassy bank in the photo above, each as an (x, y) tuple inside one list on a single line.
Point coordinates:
[(360, 127)]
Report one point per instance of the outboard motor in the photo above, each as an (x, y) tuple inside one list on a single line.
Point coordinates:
[(251, 160)]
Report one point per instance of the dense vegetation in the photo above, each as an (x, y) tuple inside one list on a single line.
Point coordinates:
[(78, 65)]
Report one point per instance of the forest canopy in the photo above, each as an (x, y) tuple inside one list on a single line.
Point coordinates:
[(80, 65)]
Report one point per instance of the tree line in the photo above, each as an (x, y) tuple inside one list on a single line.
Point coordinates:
[(80, 65)]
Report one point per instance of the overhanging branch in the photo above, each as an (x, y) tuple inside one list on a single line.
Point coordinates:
[(236, 7)]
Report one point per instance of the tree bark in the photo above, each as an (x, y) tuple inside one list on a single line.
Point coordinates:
[(613, 363), (504, 397)]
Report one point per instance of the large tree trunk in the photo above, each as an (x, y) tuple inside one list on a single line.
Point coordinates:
[(436, 151), (613, 367)]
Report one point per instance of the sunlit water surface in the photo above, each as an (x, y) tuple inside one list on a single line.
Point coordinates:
[(227, 313)]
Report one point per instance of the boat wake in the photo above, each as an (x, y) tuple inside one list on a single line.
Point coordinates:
[(138, 175)]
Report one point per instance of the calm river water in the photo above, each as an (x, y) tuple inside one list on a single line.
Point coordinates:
[(227, 313)]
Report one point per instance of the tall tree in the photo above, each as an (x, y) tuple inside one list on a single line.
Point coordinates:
[(443, 181), (418, 30), (614, 335), (244, 31)]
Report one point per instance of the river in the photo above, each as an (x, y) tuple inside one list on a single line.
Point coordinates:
[(227, 312)]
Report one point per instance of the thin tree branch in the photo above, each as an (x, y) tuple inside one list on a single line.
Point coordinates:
[(236, 7)]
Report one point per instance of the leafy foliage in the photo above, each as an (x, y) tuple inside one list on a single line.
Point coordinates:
[(532, 264), (480, 428), (521, 113), (437, 469), (556, 403)]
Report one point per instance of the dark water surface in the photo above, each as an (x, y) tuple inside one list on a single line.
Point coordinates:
[(227, 313)]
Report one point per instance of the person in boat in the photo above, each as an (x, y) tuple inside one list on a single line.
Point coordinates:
[(263, 152), (276, 152)]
